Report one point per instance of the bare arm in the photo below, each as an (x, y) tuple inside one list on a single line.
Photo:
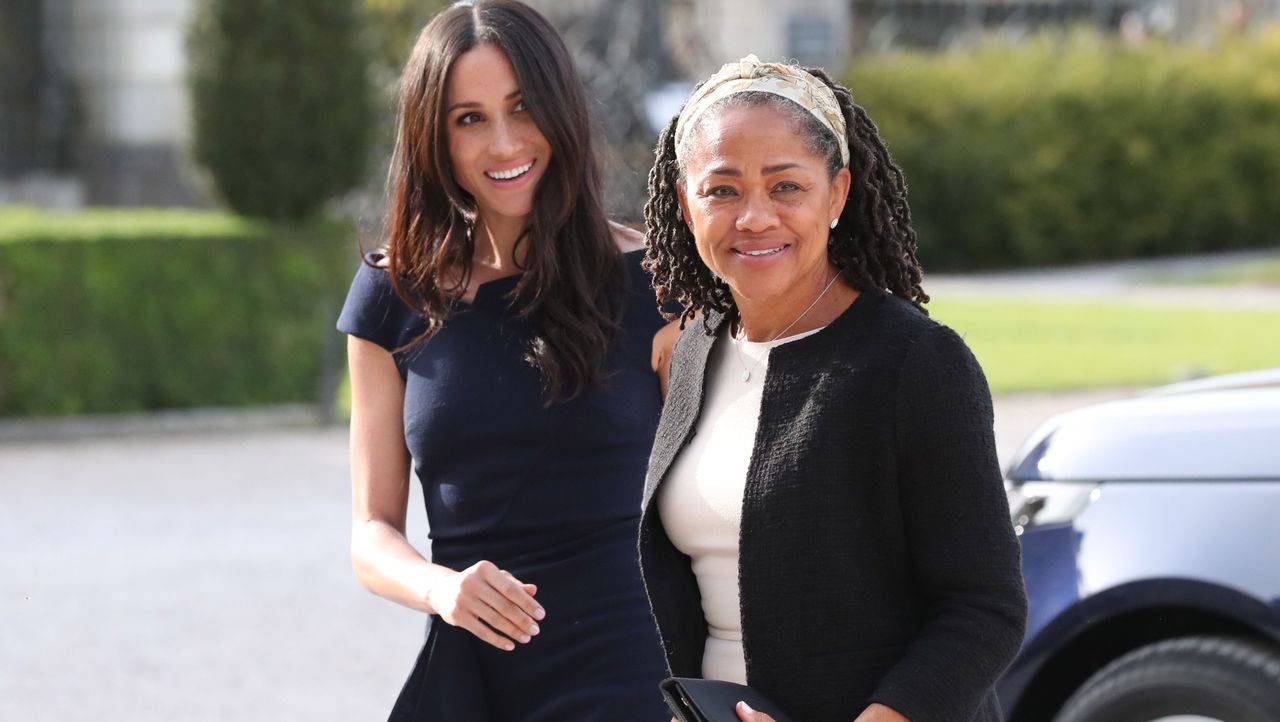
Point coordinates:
[(384, 561), (476, 598)]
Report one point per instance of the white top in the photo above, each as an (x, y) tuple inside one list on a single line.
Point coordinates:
[(700, 503)]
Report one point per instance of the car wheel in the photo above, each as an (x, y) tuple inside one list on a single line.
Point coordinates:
[(1189, 679)]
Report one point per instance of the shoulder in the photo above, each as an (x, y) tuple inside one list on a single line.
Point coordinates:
[(625, 238), (898, 324), (900, 315), (888, 338), (643, 314), (372, 278), (935, 363), (927, 338), (372, 310)]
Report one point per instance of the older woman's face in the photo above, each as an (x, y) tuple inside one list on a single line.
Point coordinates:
[(760, 203)]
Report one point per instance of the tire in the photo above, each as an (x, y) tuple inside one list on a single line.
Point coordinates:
[(1205, 679)]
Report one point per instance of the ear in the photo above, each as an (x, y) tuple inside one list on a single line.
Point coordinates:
[(684, 204), (839, 192)]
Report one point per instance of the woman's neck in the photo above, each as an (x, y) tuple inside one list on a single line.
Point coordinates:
[(775, 318), (495, 240)]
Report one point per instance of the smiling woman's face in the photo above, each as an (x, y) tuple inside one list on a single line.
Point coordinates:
[(496, 151), (760, 204)]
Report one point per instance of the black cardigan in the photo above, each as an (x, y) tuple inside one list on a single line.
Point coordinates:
[(877, 562)]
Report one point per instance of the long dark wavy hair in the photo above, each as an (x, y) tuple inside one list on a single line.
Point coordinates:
[(573, 276), (874, 245)]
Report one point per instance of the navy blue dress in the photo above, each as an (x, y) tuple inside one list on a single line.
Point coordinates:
[(551, 493)]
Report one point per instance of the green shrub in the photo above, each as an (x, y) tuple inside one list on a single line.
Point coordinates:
[(282, 102), (107, 311), (1079, 148)]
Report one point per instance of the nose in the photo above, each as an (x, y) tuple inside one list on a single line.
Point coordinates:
[(758, 214), (505, 140)]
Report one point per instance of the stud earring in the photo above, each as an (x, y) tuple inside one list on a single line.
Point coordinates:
[(834, 222)]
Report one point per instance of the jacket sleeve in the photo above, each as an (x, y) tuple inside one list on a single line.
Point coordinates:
[(965, 557)]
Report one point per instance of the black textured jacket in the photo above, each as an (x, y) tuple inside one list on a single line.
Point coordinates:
[(877, 562)]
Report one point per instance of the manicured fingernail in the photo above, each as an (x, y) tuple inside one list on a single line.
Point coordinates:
[(535, 629), (525, 638), (508, 646), (539, 613), (747, 707)]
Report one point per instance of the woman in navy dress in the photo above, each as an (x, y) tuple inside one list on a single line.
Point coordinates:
[(505, 344)]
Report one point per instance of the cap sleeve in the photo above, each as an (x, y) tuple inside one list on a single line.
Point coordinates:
[(643, 296), (373, 311)]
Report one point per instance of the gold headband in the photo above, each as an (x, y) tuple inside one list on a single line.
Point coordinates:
[(751, 75)]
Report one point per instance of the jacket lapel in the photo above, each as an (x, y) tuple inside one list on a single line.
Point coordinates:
[(684, 399)]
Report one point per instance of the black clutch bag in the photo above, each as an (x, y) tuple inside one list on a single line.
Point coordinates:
[(711, 700)]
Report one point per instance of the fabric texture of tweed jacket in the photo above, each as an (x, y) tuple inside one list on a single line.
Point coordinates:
[(877, 561)]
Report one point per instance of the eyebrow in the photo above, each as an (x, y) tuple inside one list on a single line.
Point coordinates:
[(768, 170), (472, 104)]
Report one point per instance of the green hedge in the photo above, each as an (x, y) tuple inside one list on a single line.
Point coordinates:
[(109, 311), (1078, 148)]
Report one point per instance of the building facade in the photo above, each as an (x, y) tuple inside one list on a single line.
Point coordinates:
[(96, 109)]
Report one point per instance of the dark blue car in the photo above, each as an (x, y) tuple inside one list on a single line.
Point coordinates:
[(1150, 533)]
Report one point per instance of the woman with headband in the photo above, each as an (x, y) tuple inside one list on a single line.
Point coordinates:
[(824, 517)]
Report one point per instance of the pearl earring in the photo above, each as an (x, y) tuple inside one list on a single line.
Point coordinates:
[(834, 221)]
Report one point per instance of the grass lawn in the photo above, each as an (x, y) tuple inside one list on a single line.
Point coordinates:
[(1260, 272), (1049, 346), (1264, 273)]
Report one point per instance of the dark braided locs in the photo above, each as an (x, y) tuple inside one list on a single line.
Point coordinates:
[(874, 245)]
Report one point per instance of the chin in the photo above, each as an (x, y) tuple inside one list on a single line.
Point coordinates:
[(509, 208), (754, 290)]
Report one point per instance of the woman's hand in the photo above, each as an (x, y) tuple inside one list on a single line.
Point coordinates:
[(482, 599), (746, 714), (874, 713), (880, 713)]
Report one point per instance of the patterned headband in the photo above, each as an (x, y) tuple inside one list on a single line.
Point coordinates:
[(751, 75)]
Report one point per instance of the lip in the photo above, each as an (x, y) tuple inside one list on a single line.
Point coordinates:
[(508, 183), (760, 252)]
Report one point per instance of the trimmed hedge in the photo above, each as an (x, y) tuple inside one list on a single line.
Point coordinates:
[(110, 311), (1078, 148)]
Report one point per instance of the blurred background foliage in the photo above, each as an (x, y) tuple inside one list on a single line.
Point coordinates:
[(1057, 147), (130, 310), (393, 27), (1080, 147), (283, 105)]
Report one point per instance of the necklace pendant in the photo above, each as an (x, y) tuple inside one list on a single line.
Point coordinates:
[(746, 376)]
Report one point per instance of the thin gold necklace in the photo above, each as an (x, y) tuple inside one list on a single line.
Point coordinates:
[(737, 347)]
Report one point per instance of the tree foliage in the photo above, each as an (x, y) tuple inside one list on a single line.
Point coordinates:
[(394, 26), (282, 102), (1081, 148)]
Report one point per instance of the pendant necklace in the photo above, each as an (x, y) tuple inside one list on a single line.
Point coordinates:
[(737, 347)]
